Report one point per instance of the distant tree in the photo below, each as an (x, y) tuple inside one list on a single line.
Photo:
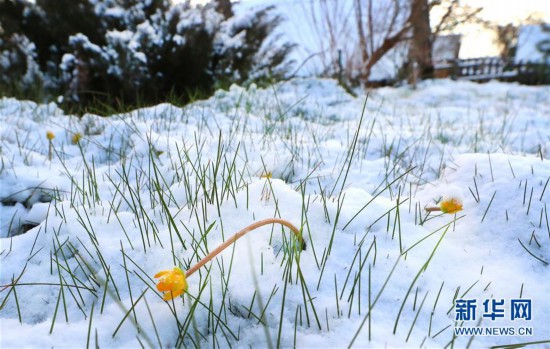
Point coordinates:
[(506, 36), (379, 27), (453, 13), (420, 47)]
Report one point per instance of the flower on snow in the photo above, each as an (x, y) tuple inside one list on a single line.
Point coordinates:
[(50, 135), (172, 282), (450, 205)]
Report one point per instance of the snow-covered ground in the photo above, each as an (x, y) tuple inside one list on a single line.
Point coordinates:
[(137, 193)]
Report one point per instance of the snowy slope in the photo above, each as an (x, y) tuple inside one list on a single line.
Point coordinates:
[(162, 186)]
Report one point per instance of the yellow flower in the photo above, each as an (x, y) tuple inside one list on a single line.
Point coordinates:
[(76, 138), (450, 205), (50, 135), (172, 282), (266, 175)]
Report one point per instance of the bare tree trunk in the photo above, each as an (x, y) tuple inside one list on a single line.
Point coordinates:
[(361, 32), (420, 51)]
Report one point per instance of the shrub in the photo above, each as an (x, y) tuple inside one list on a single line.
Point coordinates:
[(131, 52), (21, 74)]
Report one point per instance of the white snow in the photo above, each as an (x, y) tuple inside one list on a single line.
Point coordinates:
[(104, 232)]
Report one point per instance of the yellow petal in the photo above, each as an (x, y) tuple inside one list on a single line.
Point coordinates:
[(172, 282), (167, 296), (177, 293), (172, 294), (161, 273), (451, 205), (163, 287)]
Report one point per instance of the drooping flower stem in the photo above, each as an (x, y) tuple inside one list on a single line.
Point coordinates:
[(241, 233), (432, 209)]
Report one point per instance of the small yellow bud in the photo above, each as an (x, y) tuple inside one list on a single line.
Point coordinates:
[(50, 135), (75, 139)]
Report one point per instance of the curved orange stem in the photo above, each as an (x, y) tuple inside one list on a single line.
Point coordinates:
[(242, 232)]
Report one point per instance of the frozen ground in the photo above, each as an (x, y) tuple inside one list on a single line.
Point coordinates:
[(83, 234)]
